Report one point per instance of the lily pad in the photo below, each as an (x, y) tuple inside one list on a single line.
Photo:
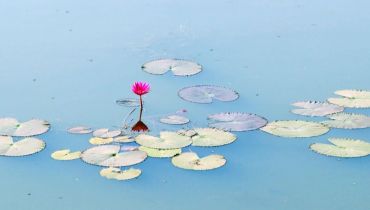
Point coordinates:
[(359, 94), (111, 156), (191, 161), (117, 174), (11, 127), (123, 139), (160, 153), (65, 154), (128, 102), (174, 120), (210, 137), (178, 67), (26, 146), (205, 94), (316, 109), (343, 148), (236, 121), (80, 130), (351, 102), (106, 133), (348, 121), (167, 140), (292, 129), (100, 141)]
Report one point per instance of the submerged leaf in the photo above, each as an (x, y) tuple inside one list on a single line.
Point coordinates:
[(106, 133), (11, 127), (207, 93), (191, 161), (111, 156), (315, 108), (26, 146), (160, 153), (343, 148), (167, 140), (292, 129), (210, 137), (178, 67), (237, 121), (348, 121), (174, 120), (128, 102), (65, 154), (117, 174), (80, 130)]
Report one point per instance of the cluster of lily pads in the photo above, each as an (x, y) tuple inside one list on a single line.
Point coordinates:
[(112, 151)]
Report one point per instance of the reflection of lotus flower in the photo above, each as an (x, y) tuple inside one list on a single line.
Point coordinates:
[(140, 88)]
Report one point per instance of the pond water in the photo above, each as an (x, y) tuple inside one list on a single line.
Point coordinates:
[(68, 62)]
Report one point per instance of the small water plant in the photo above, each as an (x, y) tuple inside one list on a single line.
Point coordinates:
[(140, 89)]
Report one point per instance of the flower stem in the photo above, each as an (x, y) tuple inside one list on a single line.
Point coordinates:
[(141, 107)]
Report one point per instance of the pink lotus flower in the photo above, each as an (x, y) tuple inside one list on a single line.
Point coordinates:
[(140, 88)]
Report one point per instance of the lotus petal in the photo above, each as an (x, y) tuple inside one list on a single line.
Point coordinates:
[(210, 137), (80, 130), (348, 121), (65, 154), (106, 133), (128, 102), (11, 127), (167, 140), (160, 153), (315, 108), (174, 120), (237, 121), (117, 174), (191, 161), (26, 146), (207, 93), (111, 156), (178, 67), (292, 129), (343, 148), (100, 141)]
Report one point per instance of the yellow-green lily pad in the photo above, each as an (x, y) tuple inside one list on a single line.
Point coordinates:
[(117, 174), (292, 128), (191, 161), (65, 154)]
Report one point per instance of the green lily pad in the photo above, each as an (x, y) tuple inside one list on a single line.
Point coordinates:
[(117, 174), (354, 94), (191, 161), (112, 156), (11, 127), (100, 141), (351, 102), (80, 130), (205, 94), (123, 139), (341, 147), (106, 133), (160, 153), (65, 154), (26, 146), (174, 120), (316, 109), (348, 121), (292, 129), (178, 67), (210, 137), (167, 140)]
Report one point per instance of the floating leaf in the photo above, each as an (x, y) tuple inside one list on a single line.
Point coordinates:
[(343, 148), (359, 94), (65, 154), (207, 93), (292, 129), (189, 133), (348, 121), (315, 108), (11, 127), (99, 141), (111, 156), (209, 137), (26, 146), (80, 130), (117, 174), (351, 102), (174, 120), (106, 133), (191, 161), (178, 67), (128, 102), (236, 121), (124, 139), (167, 140), (129, 148), (160, 153)]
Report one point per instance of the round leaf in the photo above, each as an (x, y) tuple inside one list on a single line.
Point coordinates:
[(65, 154), (236, 121), (117, 174), (191, 161), (174, 120), (26, 146), (167, 140), (209, 137), (315, 108), (348, 121), (207, 93), (292, 129), (178, 67), (160, 153)]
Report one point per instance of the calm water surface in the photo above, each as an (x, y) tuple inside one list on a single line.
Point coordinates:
[(68, 61)]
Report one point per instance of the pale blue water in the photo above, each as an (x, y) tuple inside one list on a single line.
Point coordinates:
[(68, 61)]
